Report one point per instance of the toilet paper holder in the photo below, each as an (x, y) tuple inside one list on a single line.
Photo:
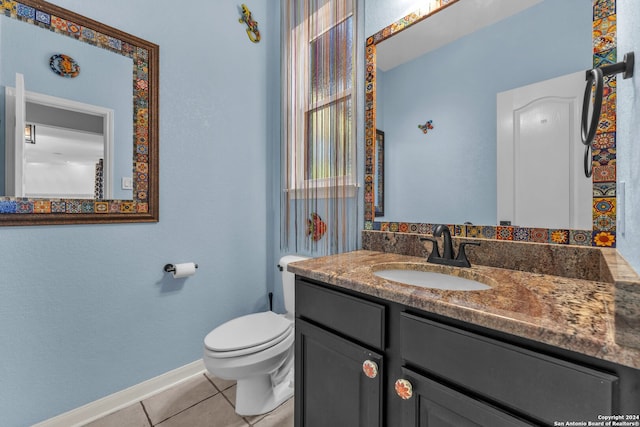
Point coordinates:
[(171, 268)]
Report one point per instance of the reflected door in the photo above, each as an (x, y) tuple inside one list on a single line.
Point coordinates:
[(540, 178), (15, 118)]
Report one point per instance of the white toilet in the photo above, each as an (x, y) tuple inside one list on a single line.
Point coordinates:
[(256, 350)]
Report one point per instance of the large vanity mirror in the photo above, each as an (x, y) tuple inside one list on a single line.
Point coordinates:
[(78, 119), (436, 81)]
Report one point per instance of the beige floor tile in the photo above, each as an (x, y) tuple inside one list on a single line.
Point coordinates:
[(230, 393), (282, 416), (131, 416), (213, 412), (220, 383), (178, 398)]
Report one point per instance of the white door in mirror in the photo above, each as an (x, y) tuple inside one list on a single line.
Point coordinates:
[(540, 177)]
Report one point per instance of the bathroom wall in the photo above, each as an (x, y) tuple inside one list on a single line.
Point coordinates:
[(86, 311), (628, 134)]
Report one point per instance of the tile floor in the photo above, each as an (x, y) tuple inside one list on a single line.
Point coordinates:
[(199, 402)]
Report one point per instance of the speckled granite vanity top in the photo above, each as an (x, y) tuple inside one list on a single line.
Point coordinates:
[(576, 314)]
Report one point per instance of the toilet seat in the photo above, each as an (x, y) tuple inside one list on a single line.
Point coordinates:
[(248, 334)]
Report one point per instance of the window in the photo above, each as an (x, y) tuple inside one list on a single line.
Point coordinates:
[(319, 208), (322, 153)]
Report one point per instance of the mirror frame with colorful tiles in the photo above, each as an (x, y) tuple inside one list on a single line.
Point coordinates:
[(144, 205), (603, 233)]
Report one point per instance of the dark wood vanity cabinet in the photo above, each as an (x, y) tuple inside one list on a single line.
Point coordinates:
[(527, 382), (329, 376), (458, 374), (434, 404), (336, 337)]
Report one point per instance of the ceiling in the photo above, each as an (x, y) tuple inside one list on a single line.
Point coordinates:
[(55, 145)]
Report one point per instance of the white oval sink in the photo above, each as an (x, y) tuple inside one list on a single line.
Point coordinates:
[(431, 279)]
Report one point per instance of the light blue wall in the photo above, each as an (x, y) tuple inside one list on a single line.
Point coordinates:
[(86, 311), (456, 87), (628, 132)]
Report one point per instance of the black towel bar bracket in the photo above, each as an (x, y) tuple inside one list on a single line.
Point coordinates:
[(595, 84), (625, 67)]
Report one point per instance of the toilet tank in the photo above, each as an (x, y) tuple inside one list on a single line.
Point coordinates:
[(288, 281)]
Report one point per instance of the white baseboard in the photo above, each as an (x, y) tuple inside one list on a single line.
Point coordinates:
[(114, 402)]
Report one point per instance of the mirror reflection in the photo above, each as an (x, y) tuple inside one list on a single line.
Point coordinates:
[(78, 119), (68, 116), (64, 161), (449, 174)]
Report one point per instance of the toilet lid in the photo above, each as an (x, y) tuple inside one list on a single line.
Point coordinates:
[(247, 331)]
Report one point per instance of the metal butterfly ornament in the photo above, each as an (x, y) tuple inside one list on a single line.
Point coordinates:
[(426, 127)]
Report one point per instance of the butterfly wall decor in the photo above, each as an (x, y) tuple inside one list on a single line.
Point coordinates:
[(426, 127)]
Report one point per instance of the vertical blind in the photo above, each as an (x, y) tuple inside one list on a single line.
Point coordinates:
[(319, 208)]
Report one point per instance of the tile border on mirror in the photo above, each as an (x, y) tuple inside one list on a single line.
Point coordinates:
[(603, 233), (142, 199)]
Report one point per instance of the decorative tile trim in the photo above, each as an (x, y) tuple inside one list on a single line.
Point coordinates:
[(140, 89), (604, 155), (521, 234)]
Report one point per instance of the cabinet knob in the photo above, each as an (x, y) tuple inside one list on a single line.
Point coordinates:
[(404, 389), (370, 368)]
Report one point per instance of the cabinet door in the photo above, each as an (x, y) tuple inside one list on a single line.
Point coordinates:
[(331, 386), (432, 404), (533, 384)]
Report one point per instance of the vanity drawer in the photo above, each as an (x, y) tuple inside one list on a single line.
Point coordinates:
[(352, 317), (537, 385)]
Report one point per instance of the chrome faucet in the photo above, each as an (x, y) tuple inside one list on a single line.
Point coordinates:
[(447, 249)]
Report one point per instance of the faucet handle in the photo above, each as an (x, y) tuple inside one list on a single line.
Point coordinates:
[(462, 255), (435, 252)]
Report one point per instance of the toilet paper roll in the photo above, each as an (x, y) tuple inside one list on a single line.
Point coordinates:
[(184, 269)]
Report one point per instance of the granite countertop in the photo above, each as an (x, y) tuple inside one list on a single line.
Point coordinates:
[(570, 313)]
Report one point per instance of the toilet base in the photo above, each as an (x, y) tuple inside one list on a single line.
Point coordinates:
[(264, 379), (257, 395)]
